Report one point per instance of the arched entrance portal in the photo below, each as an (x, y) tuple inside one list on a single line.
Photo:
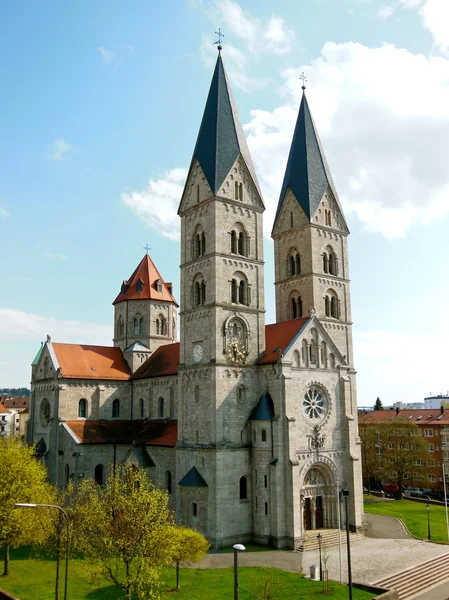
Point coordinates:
[(318, 498)]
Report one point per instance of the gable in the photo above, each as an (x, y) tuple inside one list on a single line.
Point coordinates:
[(290, 213), (313, 330), (196, 189), (240, 174), (47, 363)]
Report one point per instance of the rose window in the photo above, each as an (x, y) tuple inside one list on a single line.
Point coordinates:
[(314, 404)]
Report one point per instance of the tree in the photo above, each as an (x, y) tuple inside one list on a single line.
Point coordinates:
[(372, 463), (123, 530), (190, 546), (22, 479), (378, 404)]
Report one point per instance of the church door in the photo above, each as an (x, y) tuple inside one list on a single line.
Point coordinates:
[(319, 520), (307, 514)]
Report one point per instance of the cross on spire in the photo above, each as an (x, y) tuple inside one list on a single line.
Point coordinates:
[(304, 79), (146, 248), (220, 35)]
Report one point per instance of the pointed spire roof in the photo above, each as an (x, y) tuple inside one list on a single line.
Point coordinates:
[(307, 173), (221, 138), (145, 283)]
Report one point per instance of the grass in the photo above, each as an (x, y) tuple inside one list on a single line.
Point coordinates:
[(414, 515), (33, 579)]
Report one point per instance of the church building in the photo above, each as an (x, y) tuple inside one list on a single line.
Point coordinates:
[(251, 428)]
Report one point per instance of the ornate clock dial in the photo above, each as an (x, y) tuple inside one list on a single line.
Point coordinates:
[(197, 352)]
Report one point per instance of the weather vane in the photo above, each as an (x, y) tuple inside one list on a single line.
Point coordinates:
[(304, 79), (220, 35), (146, 248)]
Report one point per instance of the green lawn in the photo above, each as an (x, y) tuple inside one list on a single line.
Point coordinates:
[(414, 515), (33, 579)]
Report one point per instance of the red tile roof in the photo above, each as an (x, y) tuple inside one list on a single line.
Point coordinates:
[(149, 433), (163, 362), (15, 402), (278, 337), (3, 409), (428, 416), (147, 273), (79, 361)]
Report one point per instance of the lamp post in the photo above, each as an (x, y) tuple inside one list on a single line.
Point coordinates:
[(345, 496), (319, 537), (237, 548), (428, 521), (445, 502), (339, 529), (67, 522)]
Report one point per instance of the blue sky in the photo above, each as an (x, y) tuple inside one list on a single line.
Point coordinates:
[(100, 109)]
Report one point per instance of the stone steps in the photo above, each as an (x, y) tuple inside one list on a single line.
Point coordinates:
[(416, 579), (329, 538)]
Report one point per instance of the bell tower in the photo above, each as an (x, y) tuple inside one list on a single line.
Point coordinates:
[(310, 239), (222, 319)]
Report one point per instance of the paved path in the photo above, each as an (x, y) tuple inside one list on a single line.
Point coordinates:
[(382, 527), (387, 551), (440, 592)]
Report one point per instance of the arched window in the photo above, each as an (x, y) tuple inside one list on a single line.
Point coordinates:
[(199, 290), (264, 435), (161, 408), (295, 362), (243, 488), (331, 361), (330, 262), (136, 324), (240, 393), (312, 352), (120, 327), (299, 302), (233, 242), (82, 408), (194, 509), (139, 286), (305, 353), (334, 307), (292, 265), (198, 242), (141, 326), (238, 191), (168, 481), (116, 408), (298, 264), (99, 474), (142, 408), (324, 355), (325, 263), (294, 309), (327, 306), (240, 290), (203, 243), (66, 475), (161, 325), (294, 262), (239, 240)]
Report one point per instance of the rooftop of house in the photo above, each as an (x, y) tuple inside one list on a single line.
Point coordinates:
[(19, 402), (81, 361), (420, 416), (143, 432)]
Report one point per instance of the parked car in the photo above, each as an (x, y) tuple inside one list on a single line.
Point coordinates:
[(390, 488), (413, 489)]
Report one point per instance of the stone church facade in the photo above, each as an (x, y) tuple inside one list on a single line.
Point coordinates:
[(251, 428)]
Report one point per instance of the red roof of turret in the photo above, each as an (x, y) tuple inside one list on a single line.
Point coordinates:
[(149, 276)]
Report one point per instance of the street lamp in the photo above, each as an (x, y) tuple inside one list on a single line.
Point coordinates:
[(445, 502), (319, 537), (346, 496), (237, 548), (428, 521), (66, 516)]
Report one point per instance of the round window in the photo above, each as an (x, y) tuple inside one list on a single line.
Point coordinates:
[(314, 404), (45, 411)]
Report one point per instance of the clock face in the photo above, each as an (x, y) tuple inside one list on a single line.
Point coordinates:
[(197, 352)]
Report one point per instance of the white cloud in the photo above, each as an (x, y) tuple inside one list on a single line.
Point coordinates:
[(393, 353), (59, 148), (435, 17), (57, 255), (385, 12), (386, 138), (107, 56), (157, 204), (3, 212), (270, 37), (20, 325)]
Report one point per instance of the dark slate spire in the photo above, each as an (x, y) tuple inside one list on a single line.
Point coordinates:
[(264, 410), (307, 173), (221, 139)]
